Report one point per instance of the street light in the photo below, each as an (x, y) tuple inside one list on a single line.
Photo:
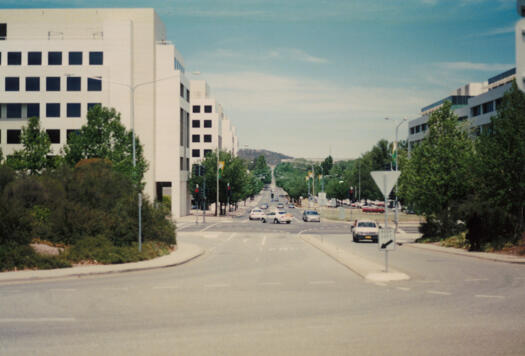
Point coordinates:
[(395, 148)]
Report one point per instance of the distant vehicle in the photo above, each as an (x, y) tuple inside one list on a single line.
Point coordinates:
[(264, 206), (280, 206), (277, 217), (373, 209), (311, 215), (291, 206), (256, 214), (365, 230)]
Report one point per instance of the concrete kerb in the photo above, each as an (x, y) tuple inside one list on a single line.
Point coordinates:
[(480, 255), (184, 253), (368, 270)]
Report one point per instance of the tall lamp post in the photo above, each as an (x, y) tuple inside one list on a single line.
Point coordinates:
[(395, 148)]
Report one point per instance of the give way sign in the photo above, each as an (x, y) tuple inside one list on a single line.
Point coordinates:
[(385, 180)]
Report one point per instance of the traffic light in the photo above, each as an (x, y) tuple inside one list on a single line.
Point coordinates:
[(229, 190)]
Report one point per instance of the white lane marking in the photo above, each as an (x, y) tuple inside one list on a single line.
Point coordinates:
[(283, 248), (116, 288), (403, 288), (231, 236), (62, 290), (217, 285), (429, 281), (208, 227), (489, 296), (321, 282), (166, 287), (475, 279), (437, 292), (263, 242), (380, 284), (270, 283), (35, 320), (211, 235)]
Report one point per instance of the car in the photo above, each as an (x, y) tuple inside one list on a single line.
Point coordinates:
[(277, 217), (280, 206), (256, 214), (373, 209), (311, 215), (264, 206), (365, 230), (291, 206)]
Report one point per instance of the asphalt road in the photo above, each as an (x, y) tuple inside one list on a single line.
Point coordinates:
[(261, 290)]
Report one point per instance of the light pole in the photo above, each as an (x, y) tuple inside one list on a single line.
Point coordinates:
[(395, 149)]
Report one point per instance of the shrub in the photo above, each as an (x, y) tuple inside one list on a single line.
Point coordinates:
[(16, 256)]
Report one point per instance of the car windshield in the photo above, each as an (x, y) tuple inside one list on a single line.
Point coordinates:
[(366, 224), (311, 212)]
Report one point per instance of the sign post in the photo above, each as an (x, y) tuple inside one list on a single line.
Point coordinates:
[(385, 181)]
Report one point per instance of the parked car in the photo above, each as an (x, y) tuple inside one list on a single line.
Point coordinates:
[(373, 209), (277, 217), (256, 214), (291, 206), (365, 230), (280, 206), (311, 215), (264, 206)]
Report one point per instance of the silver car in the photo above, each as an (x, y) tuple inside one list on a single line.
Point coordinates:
[(311, 215)]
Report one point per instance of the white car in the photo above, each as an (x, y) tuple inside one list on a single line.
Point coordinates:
[(277, 217), (256, 214), (311, 215), (365, 230)]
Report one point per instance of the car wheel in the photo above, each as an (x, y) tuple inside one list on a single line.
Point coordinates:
[(264, 221), (288, 222), (275, 221)]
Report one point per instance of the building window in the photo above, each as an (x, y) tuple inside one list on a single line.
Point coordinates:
[(181, 90), (475, 111), (70, 133), (488, 107), (187, 164), (34, 58), (206, 152), (75, 58), (52, 110), (462, 118), (13, 136), (207, 123), (195, 153), (424, 127), (188, 95), (12, 84), (3, 31), (91, 105), (418, 128), (14, 111), (33, 110), (53, 83), (14, 58), (207, 138), (73, 110), (94, 84), (73, 83), (498, 103), (196, 109), (412, 131), (32, 84), (195, 138), (54, 136), (187, 129), (207, 109), (54, 58), (195, 123), (96, 58)]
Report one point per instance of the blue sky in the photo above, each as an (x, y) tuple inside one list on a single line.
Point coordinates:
[(303, 77)]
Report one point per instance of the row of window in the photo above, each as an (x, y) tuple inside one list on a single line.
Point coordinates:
[(485, 108), (184, 128), (197, 153), (27, 110), (418, 128), (184, 91), (54, 58), (197, 109), (52, 84), (197, 138), (197, 123), (14, 136)]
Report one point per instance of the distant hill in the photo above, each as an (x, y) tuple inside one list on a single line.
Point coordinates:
[(272, 158)]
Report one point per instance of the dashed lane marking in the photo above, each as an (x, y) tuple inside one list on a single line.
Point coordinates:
[(403, 288), (476, 279), (489, 296), (429, 281), (209, 227), (437, 292), (321, 282), (263, 242)]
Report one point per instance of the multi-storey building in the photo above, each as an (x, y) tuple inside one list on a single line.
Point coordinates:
[(474, 104), (57, 63)]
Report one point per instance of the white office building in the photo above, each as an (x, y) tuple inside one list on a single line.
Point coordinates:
[(57, 63)]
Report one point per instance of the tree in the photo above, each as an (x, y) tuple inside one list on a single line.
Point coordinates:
[(437, 178), (104, 136), (326, 165), (37, 146)]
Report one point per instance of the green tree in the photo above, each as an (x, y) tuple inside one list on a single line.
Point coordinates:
[(37, 146), (437, 178), (104, 136), (326, 165)]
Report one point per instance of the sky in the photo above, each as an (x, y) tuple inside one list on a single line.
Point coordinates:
[(310, 78)]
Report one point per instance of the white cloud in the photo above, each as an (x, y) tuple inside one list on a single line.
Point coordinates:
[(285, 54), (494, 32), (486, 67)]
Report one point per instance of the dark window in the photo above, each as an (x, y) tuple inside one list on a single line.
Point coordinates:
[(206, 152), (96, 58), (34, 58), (207, 109), (207, 138), (14, 58), (54, 58), (195, 123), (196, 108), (14, 111), (70, 133), (54, 135), (53, 83), (462, 118), (188, 95), (488, 107), (195, 153), (418, 128), (32, 84), (498, 103), (12, 84), (475, 111), (181, 125), (90, 105), (73, 109), (33, 110), (3, 31), (73, 83), (181, 90), (94, 84), (187, 164), (13, 136), (187, 129), (52, 110), (207, 123), (75, 58), (412, 131), (195, 138), (424, 127)]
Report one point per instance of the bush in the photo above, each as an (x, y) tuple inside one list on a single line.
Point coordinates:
[(15, 256)]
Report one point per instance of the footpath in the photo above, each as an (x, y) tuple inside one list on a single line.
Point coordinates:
[(184, 253)]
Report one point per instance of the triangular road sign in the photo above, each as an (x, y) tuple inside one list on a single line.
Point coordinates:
[(385, 180)]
